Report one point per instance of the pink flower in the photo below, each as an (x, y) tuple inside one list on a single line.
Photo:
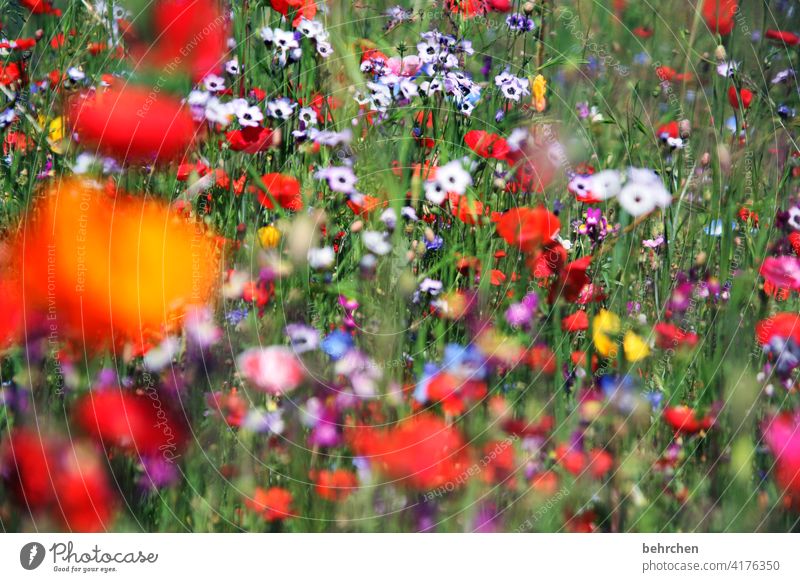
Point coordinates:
[(782, 435), (408, 67), (274, 370), (783, 272)]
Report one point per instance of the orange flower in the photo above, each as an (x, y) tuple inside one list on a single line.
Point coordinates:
[(97, 269), (336, 485), (274, 504)]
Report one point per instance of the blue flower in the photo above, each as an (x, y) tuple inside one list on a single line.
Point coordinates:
[(337, 344)]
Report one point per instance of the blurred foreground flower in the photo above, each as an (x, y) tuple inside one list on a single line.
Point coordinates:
[(61, 479), (133, 124), (91, 267)]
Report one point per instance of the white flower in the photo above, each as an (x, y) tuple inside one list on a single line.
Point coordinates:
[(232, 67), (76, 74), (321, 258), (249, 116), (727, 68), (643, 193), (307, 115), (324, 49), (431, 87), (408, 88), (389, 218), (218, 112), (267, 35), (434, 192), (285, 40), (339, 178), (281, 108), (376, 242), (605, 184), (794, 218), (199, 98), (310, 28), (453, 177), (214, 83)]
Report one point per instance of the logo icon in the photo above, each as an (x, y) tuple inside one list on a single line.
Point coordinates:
[(31, 555)]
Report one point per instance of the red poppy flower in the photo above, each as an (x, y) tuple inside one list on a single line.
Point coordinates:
[(719, 15), (578, 321), (253, 140), (142, 425), (190, 33), (643, 31), (684, 420), (487, 145), (545, 482), (133, 124), (40, 7), (669, 336), (539, 428), (534, 171), (335, 485), (668, 130), (529, 229), (299, 8), (741, 99), (285, 190), (274, 504), (421, 452), (66, 479), (365, 206), (782, 325), (577, 462), (466, 210), (788, 38), (9, 73), (541, 359), (574, 284)]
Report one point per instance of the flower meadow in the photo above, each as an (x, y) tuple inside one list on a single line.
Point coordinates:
[(367, 266)]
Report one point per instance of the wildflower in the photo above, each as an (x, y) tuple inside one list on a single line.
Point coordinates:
[(421, 452), (634, 347), (274, 370), (273, 504), (684, 420), (130, 422), (80, 499), (487, 145), (783, 272), (249, 116), (529, 229), (281, 108), (321, 258), (214, 84), (376, 242), (782, 436), (335, 485), (132, 124), (539, 89), (339, 178), (605, 326), (643, 193), (719, 15), (278, 188), (741, 98), (269, 236)]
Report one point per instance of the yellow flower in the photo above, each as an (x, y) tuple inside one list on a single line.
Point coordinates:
[(605, 323), (539, 90), (635, 347), (269, 236)]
